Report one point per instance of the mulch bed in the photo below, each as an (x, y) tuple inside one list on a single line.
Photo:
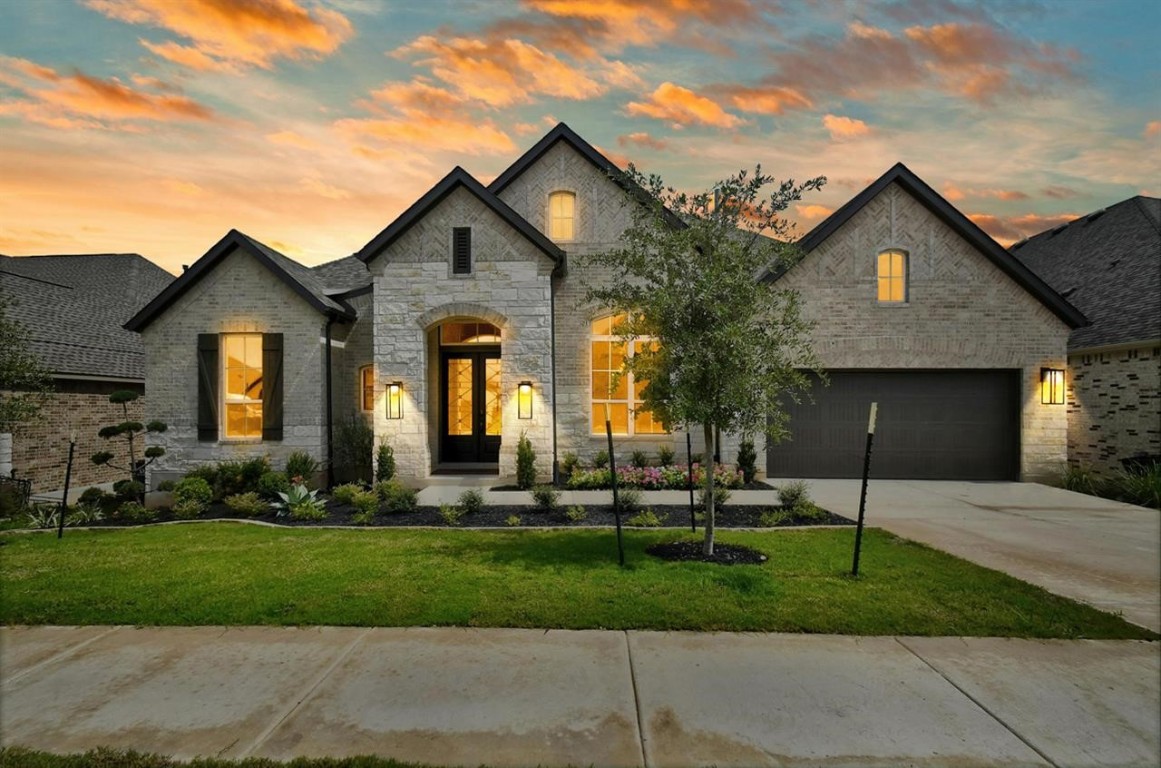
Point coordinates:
[(752, 486), (691, 551)]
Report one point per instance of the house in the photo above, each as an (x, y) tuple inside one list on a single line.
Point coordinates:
[(1108, 265), (462, 326), (73, 308)]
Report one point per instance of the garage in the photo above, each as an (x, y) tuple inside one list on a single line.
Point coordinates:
[(933, 425)]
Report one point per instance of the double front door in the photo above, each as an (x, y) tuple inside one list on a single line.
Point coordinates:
[(470, 406)]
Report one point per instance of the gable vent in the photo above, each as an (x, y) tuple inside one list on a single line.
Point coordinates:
[(461, 250)]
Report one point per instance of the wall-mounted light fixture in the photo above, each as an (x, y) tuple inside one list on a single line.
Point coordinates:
[(395, 400), (524, 400), (1052, 386)]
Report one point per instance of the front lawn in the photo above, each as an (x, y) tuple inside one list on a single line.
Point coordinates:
[(235, 574)]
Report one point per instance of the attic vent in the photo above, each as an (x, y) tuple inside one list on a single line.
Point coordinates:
[(1056, 230), (461, 250), (1094, 215), (1068, 292)]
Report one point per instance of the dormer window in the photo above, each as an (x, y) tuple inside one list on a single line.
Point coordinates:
[(562, 216), (892, 275)]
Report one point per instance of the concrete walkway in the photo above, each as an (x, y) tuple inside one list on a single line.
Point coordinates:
[(528, 697)]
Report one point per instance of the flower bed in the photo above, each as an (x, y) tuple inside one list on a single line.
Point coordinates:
[(674, 477)]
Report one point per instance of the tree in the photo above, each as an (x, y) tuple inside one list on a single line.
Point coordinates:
[(23, 381), (129, 430), (729, 346)]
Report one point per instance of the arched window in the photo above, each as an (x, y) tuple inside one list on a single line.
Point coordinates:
[(892, 274), (627, 413), (562, 216)]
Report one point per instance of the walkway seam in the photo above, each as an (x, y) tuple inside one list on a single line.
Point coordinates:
[(8, 681), (636, 700), (1027, 742), (306, 694)]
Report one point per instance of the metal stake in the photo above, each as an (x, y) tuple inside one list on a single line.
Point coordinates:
[(613, 476), (64, 500), (863, 496)]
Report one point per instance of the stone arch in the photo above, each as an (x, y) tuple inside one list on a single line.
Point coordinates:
[(461, 310)]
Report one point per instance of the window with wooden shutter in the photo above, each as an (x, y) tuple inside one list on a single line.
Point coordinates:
[(207, 387), (272, 387), (461, 250)]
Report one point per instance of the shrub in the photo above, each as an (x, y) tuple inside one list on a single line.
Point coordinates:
[(665, 456), (601, 460), (1141, 487), (628, 500), (472, 501), (207, 472), (84, 514), (135, 512), (302, 464), (568, 464), (397, 497), (166, 486), (639, 459), (575, 513), (747, 461), (301, 503), (385, 463), (695, 458), (363, 518), (128, 489), (311, 510), (236, 477), (42, 514), (450, 514), (525, 463), (546, 497), (808, 510), (721, 496), (646, 519), (248, 504), (366, 502), (345, 494), (273, 483), (1081, 478), (793, 494), (354, 446), (94, 495), (187, 510), (773, 517), (193, 490), (512, 521), (582, 479)]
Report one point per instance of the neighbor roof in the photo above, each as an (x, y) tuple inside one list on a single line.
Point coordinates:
[(1108, 264), (454, 180), (960, 224), (74, 307), (303, 280)]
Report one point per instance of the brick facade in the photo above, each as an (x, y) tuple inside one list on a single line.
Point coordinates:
[(1114, 406)]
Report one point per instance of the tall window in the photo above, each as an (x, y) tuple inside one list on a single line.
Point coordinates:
[(626, 410), (892, 277), (367, 387), (242, 393), (562, 216)]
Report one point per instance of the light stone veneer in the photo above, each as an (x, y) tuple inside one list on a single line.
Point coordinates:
[(238, 296), (962, 312)]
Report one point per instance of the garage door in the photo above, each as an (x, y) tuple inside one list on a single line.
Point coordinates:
[(933, 425)]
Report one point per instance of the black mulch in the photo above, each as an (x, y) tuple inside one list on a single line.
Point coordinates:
[(692, 551), (751, 486)]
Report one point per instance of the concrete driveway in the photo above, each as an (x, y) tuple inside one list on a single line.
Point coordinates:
[(1100, 552)]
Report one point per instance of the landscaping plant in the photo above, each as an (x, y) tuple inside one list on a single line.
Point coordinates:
[(366, 504), (665, 456), (300, 503), (134, 512), (646, 519), (575, 514), (628, 500), (271, 484), (525, 463), (747, 460), (639, 459), (345, 494), (546, 497), (187, 510), (568, 464), (302, 464), (130, 431), (354, 447), (601, 459), (512, 521), (471, 500), (193, 491), (793, 494), (450, 514), (248, 504), (84, 514), (385, 463), (397, 498)]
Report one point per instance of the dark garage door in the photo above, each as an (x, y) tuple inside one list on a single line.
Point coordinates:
[(933, 425)]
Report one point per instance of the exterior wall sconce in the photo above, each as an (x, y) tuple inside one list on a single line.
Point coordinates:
[(1052, 386), (395, 400), (524, 400)]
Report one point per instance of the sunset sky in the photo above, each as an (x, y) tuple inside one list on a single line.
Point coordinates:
[(154, 126)]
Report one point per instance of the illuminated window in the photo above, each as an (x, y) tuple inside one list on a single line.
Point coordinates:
[(242, 393), (367, 386), (470, 332), (562, 216), (626, 411), (892, 277)]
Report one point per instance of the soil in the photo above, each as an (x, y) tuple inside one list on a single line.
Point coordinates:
[(691, 551)]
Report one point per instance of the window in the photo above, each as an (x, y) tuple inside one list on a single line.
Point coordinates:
[(562, 216), (468, 332), (367, 387), (627, 413), (461, 250), (242, 393), (892, 277)]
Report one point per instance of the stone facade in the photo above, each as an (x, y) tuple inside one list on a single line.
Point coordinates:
[(238, 296), (962, 312), (1114, 406)]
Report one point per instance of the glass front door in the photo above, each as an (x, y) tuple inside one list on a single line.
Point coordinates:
[(470, 429)]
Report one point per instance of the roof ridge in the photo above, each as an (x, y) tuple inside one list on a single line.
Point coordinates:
[(1139, 200)]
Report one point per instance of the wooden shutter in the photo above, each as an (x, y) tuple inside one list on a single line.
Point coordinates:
[(272, 386), (461, 250), (208, 387)]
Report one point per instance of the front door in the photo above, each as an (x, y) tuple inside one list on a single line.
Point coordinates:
[(470, 406)]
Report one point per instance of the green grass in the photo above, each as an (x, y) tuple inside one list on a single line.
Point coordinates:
[(18, 757), (235, 574)]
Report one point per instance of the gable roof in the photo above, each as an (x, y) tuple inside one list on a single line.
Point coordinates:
[(960, 224), (302, 280), (343, 275), (453, 181), (563, 133), (1108, 264), (73, 308)]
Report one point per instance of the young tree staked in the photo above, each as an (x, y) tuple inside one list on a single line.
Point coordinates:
[(730, 346)]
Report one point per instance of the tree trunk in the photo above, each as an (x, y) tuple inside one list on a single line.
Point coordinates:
[(708, 429), (132, 451)]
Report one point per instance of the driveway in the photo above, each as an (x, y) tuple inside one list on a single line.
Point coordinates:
[(1100, 552)]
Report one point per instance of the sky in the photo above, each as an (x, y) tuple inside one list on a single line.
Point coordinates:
[(156, 126)]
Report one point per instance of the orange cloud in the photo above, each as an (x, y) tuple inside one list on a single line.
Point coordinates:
[(615, 23), (1059, 192), (291, 139), (953, 192), (225, 33), (681, 107), (768, 100), (317, 186), (1153, 128), (82, 101), (642, 139), (844, 127), (429, 132), (810, 211), (1008, 229)]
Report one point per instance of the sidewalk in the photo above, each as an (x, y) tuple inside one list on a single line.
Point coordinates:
[(527, 697)]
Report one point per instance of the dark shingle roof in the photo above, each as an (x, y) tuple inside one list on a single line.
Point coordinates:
[(1108, 265), (74, 307), (342, 275)]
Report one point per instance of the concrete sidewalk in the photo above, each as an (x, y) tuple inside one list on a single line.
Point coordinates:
[(527, 697)]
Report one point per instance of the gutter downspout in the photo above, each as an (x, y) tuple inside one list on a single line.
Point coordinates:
[(330, 410), (552, 343)]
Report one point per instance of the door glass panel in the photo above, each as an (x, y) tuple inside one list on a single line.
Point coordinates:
[(492, 396), (459, 396)]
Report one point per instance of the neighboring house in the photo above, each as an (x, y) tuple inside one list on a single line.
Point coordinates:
[(73, 308), (462, 326), (1108, 264)]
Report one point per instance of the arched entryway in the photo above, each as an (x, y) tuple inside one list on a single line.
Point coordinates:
[(470, 394)]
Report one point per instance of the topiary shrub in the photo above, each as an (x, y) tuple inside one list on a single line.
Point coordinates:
[(525, 463), (130, 431), (747, 461), (385, 463), (128, 489)]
